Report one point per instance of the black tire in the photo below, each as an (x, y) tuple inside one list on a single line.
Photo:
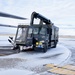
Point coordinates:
[(17, 49), (33, 47), (45, 48), (55, 43)]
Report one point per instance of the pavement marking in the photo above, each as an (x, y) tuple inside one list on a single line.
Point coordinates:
[(50, 65), (62, 71), (65, 70), (70, 67)]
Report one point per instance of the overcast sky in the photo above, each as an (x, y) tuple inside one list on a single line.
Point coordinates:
[(58, 11)]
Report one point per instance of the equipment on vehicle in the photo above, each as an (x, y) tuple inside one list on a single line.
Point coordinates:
[(36, 36)]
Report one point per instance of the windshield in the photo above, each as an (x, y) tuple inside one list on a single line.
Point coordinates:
[(39, 31)]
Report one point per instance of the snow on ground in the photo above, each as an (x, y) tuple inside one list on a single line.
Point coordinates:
[(70, 44), (67, 41), (60, 50), (15, 71), (34, 61)]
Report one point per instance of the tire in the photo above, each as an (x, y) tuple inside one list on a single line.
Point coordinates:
[(34, 47), (55, 43), (45, 48), (17, 49)]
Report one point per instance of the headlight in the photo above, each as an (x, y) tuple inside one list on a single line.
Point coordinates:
[(40, 43), (37, 43)]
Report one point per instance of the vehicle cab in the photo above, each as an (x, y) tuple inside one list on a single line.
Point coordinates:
[(34, 36)]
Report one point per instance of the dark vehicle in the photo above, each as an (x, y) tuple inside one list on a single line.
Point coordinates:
[(36, 36)]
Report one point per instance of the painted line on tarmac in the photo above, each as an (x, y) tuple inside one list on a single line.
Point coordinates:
[(63, 71), (66, 70)]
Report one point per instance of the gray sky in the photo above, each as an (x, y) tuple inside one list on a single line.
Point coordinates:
[(58, 11)]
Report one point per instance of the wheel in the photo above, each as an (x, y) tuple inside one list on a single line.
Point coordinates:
[(33, 47), (45, 48), (55, 43), (17, 49)]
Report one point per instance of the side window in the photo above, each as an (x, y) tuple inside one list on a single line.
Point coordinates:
[(19, 33), (29, 33)]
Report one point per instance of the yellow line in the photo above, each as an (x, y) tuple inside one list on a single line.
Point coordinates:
[(50, 65), (70, 67), (62, 71), (67, 69)]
